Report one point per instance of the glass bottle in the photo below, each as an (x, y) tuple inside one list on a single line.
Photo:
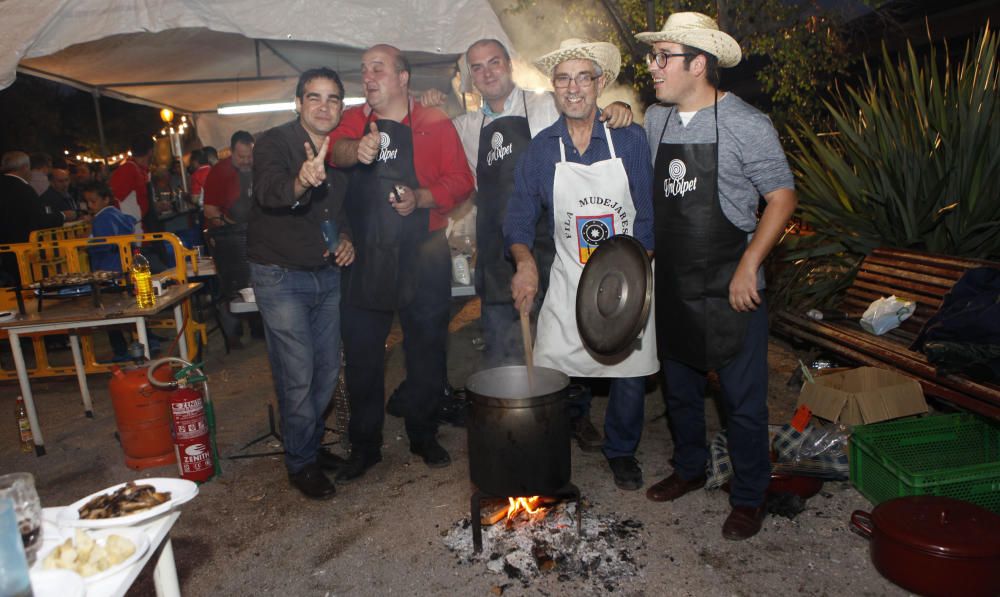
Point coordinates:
[(143, 280), (23, 426)]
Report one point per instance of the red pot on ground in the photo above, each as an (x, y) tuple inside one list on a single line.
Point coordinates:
[(934, 546)]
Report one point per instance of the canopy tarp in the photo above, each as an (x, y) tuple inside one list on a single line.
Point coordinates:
[(192, 55)]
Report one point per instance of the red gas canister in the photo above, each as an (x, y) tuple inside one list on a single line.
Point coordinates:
[(142, 412)]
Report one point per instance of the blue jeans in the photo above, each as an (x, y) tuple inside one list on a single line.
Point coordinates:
[(301, 313), (625, 416), (744, 398)]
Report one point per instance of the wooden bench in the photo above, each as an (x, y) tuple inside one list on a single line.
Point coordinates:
[(922, 277)]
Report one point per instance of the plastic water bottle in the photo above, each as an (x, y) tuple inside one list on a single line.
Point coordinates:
[(143, 280), (330, 235), (23, 426)]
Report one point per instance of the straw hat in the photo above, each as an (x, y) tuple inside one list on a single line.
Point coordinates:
[(604, 54), (698, 31)]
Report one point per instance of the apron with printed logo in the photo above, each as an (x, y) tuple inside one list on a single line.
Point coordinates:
[(501, 143), (697, 251), (383, 276), (590, 204)]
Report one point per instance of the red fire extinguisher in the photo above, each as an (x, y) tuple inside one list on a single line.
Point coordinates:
[(192, 420)]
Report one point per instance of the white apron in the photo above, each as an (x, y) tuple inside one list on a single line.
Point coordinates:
[(590, 204)]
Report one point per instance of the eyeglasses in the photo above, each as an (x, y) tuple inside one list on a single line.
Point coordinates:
[(583, 80), (660, 58)]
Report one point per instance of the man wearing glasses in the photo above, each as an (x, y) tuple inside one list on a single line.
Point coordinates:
[(494, 139), (295, 271), (715, 156), (587, 183)]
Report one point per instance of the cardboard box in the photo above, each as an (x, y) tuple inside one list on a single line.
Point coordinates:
[(863, 395)]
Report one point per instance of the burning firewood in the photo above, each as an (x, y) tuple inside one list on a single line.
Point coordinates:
[(493, 512)]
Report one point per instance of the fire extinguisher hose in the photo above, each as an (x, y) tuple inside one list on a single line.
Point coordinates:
[(188, 374)]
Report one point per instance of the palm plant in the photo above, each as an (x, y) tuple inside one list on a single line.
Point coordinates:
[(913, 162)]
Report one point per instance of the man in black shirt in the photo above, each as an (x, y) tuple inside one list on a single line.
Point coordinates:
[(20, 211), (297, 241)]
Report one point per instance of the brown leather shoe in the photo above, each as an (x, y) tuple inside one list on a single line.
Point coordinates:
[(743, 522), (674, 487)]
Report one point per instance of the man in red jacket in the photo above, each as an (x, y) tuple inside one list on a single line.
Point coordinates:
[(408, 170), (130, 185)]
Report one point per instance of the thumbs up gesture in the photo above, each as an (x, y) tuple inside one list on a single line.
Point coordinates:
[(368, 145), (313, 170)]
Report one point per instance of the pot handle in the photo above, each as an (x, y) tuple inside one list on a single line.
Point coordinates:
[(861, 522)]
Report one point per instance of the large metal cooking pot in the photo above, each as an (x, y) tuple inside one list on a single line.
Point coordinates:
[(934, 546), (519, 438)]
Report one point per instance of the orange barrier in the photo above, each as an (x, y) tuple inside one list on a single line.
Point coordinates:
[(42, 258)]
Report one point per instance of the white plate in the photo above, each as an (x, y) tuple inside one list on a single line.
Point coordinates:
[(6, 315), (181, 492), (137, 537), (56, 583)]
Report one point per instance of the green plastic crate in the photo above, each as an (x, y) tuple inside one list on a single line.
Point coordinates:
[(956, 456)]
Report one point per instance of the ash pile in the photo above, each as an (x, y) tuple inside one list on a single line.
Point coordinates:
[(546, 543)]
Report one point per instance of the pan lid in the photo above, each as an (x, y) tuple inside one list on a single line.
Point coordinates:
[(940, 525), (614, 295)]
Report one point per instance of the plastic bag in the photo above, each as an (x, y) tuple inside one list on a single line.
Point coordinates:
[(885, 314), (826, 439), (817, 451), (460, 270)]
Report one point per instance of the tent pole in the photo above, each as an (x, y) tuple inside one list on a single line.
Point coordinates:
[(100, 122)]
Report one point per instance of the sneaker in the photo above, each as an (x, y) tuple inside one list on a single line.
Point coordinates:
[(628, 475), (434, 455), (587, 436)]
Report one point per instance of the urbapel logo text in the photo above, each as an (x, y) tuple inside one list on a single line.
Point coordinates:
[(675, 185), (384, 153), (499, 151)]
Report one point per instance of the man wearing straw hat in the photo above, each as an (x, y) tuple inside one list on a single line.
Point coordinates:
[(588, 183), (494, 139), (714, 157)]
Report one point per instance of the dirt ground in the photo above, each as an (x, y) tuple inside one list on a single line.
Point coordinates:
[(250, 533)]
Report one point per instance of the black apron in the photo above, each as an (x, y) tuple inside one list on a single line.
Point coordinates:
[(501, 144), (383, 276), (697, 251)]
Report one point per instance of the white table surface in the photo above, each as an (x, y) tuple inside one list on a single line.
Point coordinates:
[(164, 575)]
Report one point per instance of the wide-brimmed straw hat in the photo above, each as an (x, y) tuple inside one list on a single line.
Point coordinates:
[(604, 54), (698, 31)]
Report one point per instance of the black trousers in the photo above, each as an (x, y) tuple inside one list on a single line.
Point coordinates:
[(425, 335)]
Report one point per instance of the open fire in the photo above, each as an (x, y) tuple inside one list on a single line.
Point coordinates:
[(529, 505), (530, 508)]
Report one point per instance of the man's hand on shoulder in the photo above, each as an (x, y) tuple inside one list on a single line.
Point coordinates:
[(433, 98), (617, 115)]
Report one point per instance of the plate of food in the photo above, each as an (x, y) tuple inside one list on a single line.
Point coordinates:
[(128, 503), (56, 583), (95, 555)]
